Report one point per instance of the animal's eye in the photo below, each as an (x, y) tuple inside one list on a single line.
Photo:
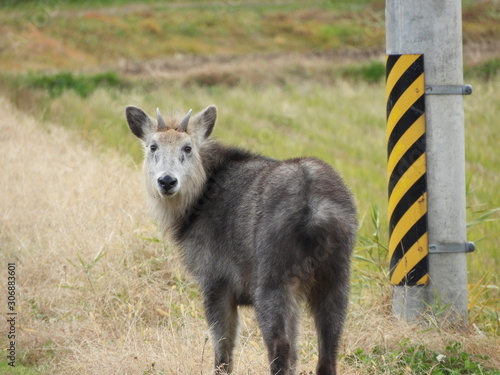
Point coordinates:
[(153, 147), (187, 149)]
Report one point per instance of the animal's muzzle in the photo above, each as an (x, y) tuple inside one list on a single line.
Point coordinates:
[(167, 185)]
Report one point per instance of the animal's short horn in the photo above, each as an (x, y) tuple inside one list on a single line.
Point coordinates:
[(161, 122), (184, 123)]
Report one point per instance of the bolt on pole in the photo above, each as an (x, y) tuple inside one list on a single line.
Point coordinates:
[(428, 264)]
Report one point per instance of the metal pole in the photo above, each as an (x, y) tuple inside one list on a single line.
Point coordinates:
[(434, 28)]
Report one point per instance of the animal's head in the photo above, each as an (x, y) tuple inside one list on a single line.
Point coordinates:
[(172, 162)]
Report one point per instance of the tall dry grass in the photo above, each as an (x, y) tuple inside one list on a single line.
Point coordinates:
[(99, 294)]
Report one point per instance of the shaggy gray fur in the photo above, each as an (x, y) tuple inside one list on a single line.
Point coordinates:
[(257, 231)]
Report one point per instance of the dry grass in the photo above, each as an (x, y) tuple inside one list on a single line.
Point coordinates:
[(128, 311), (97, 294)]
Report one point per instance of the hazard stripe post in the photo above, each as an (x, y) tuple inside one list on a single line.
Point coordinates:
[(406, 172), (426, 159)]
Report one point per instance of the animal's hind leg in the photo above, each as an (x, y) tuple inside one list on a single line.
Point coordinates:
[(292, 333), (222, 316), (328, 307), (277, 313)]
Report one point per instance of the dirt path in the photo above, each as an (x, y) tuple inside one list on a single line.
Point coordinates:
[(254, 67), (277, 66)]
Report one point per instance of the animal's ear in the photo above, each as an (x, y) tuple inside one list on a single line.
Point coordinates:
[(205, 121), (138, 121)]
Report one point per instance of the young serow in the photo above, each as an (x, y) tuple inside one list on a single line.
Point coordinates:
[(253, 231)]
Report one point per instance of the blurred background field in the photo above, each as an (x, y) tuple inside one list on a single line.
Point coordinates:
[(289, 79)]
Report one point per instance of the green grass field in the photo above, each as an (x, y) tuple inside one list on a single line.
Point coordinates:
[(289, 79)]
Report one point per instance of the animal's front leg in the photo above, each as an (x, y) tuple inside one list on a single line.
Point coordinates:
[(222, 316)]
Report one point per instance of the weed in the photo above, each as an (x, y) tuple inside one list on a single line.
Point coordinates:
[(83, 85), (485, 71), (485, 215), (483, 303), (19, 369), (87, 266), (376, 251), (417, 359), (371, 72), (371, 258)]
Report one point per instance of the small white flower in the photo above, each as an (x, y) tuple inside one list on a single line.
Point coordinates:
[(440, 357)]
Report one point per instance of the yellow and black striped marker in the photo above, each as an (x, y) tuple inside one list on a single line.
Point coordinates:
[(406, 170)]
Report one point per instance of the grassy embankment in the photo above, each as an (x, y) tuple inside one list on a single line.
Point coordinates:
[(94, 265)]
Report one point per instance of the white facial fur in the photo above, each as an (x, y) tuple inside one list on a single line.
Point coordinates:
[(173, 169)]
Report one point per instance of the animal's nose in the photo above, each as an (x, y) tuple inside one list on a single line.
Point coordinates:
[(167, 183)]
